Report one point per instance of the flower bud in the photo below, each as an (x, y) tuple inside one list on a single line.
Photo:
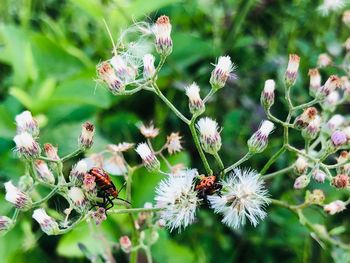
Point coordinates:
[(162, 31), (89, 183), (301, 182), (306, 117), (346, 18), (316, 197), (149, 159), (86, 138), (343, 157), (332, 83), (26, 146), (334, 122), (5, 223), (315, 81), (44, 172), (311, 131), (17, 197), (150, 132), (26, 123), (76, 195), (324, 60), (125, 244), (196, 104), (78, 171), (209, 135), (338, 138), (258, 142), (25, 183), (148, 66), (319, 176), (99, 215), (301, 165), (331, 101), (47, 223), (267, 98), (292, 70), (335, 207), (173, 143), (51, 151), (341, 181), (107, 74), (221, 72)]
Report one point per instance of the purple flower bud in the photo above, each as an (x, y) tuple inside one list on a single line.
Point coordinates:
[(338, 138)]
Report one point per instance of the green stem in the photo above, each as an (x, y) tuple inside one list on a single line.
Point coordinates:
[(219, 161), (135, 210), (148, 254), (305, 105), (243, 159), (71, 155), (282, 171), (53, 191), (272, 160), (211, 93)]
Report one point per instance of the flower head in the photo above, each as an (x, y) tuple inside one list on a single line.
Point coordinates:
[(86, 138), (258, 142), (107, 74), (330, 6), (148, 157), (292, 70), (177, 196), (44, 172), (301, 182), (335, 207), (51, 151), (332, 83), (5, 223), (115, 165), (209, 135), (243, 196), (148, 66), (301, 164), (341, 181), (319, 176), (17, 197), (173, 143), (162, 31), (334, 122), (120, 147), (338, 138), (311, 131), (89, 183), (324, 60), (306, 117), (221, 72), (78, 171), (267, 98), (26, 123), (99, 215), (76, 195), (26, 146), (149, 131), (315, 81), (196, 104), (47, 223), (125, 244)]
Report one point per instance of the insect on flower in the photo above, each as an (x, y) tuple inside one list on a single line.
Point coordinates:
[(105, 188), (208, 185)]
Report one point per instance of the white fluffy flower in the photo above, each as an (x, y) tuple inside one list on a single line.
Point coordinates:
[(162, 31), (196, 104), (47, 223), (79, 170), (148, 66), (177, 196), (222, 71), (149, 159), (258, 142), (26, 146), (243, 196), (330, 6), (44, 172), (26, 123), (77, 196), (17, 197), (209, 135), (335, 207)]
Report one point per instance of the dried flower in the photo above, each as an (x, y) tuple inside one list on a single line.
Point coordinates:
[(149, 131), (324, 60), (77, 196), (149, 159), (176, 195), (341, 181), (51, 151), (162, 31), (338, 138), (107, 74), (243, 196), (306, 117), (311, 131), (148, 66), (267, 98), (120, 147), (335, 207), (315, 81), (319, 176), (331, 84), (301, 182), (44, 172), (221, 72), (173, 143), (258, 142), (125, 244), (343, 157), (209, 135), (26, 123), (196, 104), (86, 138), (5, 223), (316, 197), (292, 70), (47, 223), (99, 215), (26, 146), (17, 197)]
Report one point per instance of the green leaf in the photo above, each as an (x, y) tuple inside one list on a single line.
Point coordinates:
[(22, 97)]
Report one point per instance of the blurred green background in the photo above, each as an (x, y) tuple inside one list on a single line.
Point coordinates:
[(48, 53)]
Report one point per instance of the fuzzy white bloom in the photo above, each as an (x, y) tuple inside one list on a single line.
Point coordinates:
[(44, 172), (173, 143), (26, 123), (26, 146), (78, 171), (115, 165), (292, 70), (258, 142), (335, 207), (148, 66), (324, 60), (268, 95), (243, 196), (221, 72), (47, 223), (177, 195), (330, 6), (334, 122), (86, 138), (149, 131), (17, 197), (120, 147), (196, 104), (209, 135), (315, 81), (332, 83), (119, 65), (77, 196), (107, 74), (149, 159), (162, 31)]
